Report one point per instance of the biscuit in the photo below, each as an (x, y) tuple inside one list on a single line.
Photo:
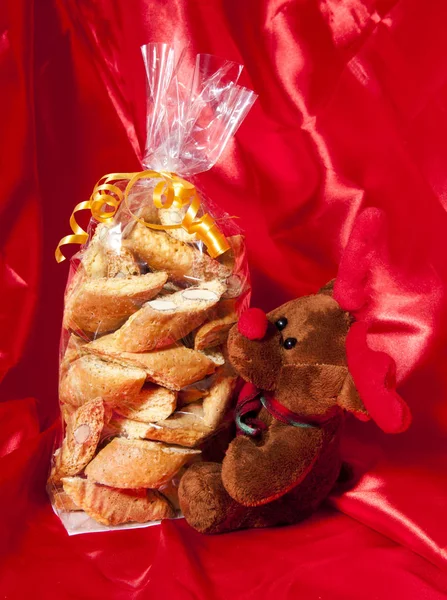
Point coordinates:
[(215, 355), (67, 410), (226, 307), (93, 260), (133, 463), (72, 352), (111, 506), (185, 427), (181, 261), (234, 259), (170, 489), (61, 500), (100, 305), (105, 256), (237, 249), (81, 439), (163, 321), (121, 263), (139, 201), (218, 400), (169, 288), (174, 216), (91, 377), (214, 332), (190, 394), (153, 403), (174, 367)]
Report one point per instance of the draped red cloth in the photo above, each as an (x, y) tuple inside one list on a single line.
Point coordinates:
[(351, 113)]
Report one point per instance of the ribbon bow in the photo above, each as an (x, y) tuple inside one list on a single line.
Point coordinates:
[(251, 400), (172, 190)]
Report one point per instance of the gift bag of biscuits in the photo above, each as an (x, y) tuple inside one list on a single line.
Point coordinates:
[(145, 387)]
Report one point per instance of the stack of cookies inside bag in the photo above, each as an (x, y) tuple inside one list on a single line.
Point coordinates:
[(144, 378)]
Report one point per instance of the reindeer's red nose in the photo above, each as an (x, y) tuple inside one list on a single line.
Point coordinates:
[(253, 324)]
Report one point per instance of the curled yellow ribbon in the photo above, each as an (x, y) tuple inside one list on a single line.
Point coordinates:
[(172, 190)]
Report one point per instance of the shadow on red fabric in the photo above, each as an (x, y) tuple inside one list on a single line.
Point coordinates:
[(351, 114)]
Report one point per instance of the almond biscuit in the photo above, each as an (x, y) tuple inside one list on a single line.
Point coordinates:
[(111, 506), (133, 463), (100, 305), (91, 377), (186, 427), (153, 403), (181, 261), (174, 367), (163, 321), (83, 432)]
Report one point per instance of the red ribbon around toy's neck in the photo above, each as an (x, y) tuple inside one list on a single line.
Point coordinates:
[(251, 400)]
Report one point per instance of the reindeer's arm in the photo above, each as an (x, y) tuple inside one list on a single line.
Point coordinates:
[(255, 475)]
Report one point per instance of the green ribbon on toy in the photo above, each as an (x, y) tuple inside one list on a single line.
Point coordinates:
[(251, 400)]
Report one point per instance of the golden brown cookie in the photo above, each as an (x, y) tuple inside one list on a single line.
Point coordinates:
[(81, 439), (100, 305), (163, 321), (174, 216), (215, 332), (173, 368), (67, 411), (111, 506), (105, 256), (60, 500), (190, 394), (186, 427), (93, 260), (214, 354), (72, 352), (140, 202), (237, 248), (218, 400), (132, 463), (181, 261), (153, 403), (91, 377), (121, 263), (170, 489)]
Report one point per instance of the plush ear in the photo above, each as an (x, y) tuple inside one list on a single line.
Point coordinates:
[(328, 289), (349, 399), (315, 389)]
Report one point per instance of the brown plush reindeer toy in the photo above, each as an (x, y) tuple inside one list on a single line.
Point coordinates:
[(305, 364)]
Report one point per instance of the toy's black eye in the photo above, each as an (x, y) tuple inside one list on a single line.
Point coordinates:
[(289, 343), (281, 323)]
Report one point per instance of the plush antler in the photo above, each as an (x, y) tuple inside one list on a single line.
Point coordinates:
[(373, 372)]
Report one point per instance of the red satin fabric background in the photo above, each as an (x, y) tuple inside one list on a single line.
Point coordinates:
[(351, 113)]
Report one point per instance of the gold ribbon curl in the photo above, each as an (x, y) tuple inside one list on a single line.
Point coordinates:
[(171, 191)]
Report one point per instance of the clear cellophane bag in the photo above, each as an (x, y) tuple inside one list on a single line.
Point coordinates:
[(145, 386)]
